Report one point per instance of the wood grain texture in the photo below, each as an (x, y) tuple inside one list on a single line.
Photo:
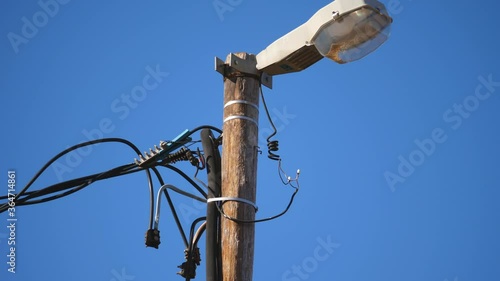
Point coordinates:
[(239, 175)]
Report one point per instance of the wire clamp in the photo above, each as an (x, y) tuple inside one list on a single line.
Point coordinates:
[(225, 199)]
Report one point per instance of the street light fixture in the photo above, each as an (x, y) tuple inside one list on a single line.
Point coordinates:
[(344, 31)]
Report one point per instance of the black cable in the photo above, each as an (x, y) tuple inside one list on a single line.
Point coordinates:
[(213, 167), (186, 177), (172, 208), (191, 248), (76, 184), (151, 199), (191, 231), (62, 153), (185, 193), (220, 208), (47, 199), (200, 231), (206, 127), (272, 146), (92, 142), (72, 183), (25, 197)]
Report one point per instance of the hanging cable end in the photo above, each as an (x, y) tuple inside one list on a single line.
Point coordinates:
[(297, 175), (153, 238), (188, 268)]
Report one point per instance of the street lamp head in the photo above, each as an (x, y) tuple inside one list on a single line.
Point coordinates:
[(344, 31), (352, 36)]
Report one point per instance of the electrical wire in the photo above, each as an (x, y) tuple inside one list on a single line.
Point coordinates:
[(220, 208), (212, 162), (75, 184), (62, 153), (26, 197), (185, 193), (180, 173), (205, 127), (187, 178), (151, 199), (118, 171), (71, 183), (75, 147), (63, 189), (193, 241), (199, 233), (172, 208), (272, 146)]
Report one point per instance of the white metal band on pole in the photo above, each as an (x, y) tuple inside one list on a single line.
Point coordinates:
[(224, 199), (241, 117), (242, 102), (229, 103)]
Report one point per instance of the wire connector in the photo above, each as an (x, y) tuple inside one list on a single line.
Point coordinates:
[(188, 268), (153, 238), (162, 151)]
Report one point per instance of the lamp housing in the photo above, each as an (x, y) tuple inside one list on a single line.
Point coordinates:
[(344, 31)]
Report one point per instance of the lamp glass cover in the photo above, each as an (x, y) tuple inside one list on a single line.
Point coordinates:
[(353, 36)]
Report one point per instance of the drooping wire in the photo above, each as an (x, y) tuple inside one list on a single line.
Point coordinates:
[(192, 254), (66, 188), (152, 199), (187, 178), (172, 208), (289, 181), (75, 147), (76, 185), (199, 233), (198, 169), (206, 127), (272, 145), (62, 153)]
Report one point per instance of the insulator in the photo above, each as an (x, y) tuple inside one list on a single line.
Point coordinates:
[(193, 160), (177, 156)]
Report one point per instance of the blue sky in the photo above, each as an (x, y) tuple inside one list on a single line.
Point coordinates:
[(398, 151)]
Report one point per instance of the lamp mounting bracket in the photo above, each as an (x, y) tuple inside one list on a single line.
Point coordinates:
[(237, 66)]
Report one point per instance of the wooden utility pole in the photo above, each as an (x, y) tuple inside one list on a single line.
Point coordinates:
[(239, 168)]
